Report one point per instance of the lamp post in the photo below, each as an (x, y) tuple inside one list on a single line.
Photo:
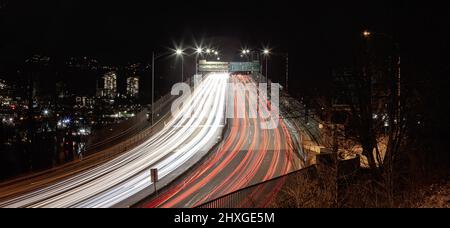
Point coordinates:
[(266, 53), (180, 53), (198, 52), (154, 58)]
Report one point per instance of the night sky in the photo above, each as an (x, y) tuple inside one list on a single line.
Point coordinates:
[(321, 34), (131, 28)]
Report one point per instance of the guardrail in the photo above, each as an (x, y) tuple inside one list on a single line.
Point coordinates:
[(278, 191), (262, 195)]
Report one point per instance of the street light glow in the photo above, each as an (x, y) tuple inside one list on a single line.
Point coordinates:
[(216, 53), (179, 52), (367, 33), (199, 50), (266, 52)]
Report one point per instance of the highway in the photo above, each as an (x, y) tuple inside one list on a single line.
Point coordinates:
[(248, 155), (124, 176)]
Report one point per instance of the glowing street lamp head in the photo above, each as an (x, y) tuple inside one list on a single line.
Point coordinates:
[(199, 50), (179, 52), (266, 51), (208, 51), (366, 33), (216, 53)]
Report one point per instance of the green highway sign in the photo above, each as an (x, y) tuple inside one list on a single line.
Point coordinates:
[(215, 66)]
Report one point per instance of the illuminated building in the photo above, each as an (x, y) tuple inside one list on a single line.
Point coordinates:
[(110, 84), (133, 87)]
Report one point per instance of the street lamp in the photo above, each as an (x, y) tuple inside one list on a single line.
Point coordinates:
[(266, 53), (180, 53), (198, 51), (246, 52), (367, 33), (155, 57)]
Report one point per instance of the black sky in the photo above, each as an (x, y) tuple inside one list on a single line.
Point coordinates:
[(320, 33), (131, 27)]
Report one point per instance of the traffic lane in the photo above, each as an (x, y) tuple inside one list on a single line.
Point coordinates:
[(181, 199), (206, 172)]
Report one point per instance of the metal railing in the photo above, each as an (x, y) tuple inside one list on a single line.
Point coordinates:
[(262, 195)]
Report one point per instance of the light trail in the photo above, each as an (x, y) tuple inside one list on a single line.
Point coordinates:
[(128, 174), (248, 155)]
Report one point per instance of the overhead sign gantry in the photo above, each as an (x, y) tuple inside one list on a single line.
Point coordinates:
[(215, 66)]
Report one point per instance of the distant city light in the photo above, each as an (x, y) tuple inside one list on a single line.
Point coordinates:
[(83, 131), (66, 121)]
